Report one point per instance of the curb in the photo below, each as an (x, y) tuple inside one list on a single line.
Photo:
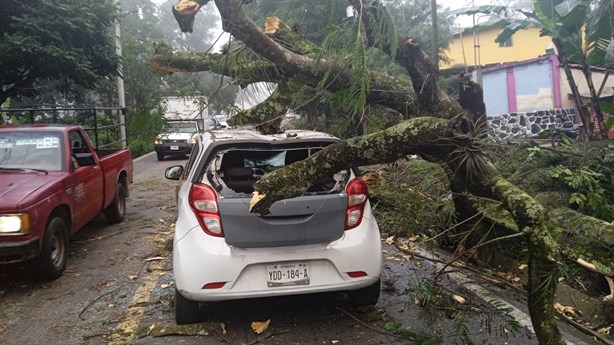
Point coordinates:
[(143, 156)]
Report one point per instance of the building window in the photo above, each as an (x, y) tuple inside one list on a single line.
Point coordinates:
[(507, 43)]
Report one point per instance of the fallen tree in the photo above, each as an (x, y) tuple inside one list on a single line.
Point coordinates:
[(439, 129)]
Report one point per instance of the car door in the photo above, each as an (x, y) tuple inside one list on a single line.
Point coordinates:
[(87, 183)]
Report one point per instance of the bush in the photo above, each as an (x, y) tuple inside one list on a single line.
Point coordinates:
[(142, 127)]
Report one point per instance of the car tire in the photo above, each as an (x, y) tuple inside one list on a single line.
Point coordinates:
[(186, 311), (160, 156), (366, 296), (51, 261), (116, 211)]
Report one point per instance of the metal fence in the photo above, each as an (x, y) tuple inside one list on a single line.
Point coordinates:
[(103, 123)]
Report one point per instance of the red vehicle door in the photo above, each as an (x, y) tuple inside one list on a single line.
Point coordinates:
[(87, 182)]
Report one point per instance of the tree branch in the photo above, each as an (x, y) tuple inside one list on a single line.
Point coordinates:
[(267, 115)]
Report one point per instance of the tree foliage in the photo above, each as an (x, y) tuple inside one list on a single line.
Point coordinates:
[(60, 45), (412, 18)]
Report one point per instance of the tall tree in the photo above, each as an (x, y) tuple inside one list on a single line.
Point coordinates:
[(140, 27), (413, 18), (45, 43)]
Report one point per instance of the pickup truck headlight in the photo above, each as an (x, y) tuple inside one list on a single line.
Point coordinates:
[(157, 141), (14, 224)]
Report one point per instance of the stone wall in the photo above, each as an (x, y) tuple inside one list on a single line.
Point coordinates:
[(513, 125)]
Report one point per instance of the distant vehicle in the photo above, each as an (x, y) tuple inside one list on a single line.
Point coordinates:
[(52, 182), (177, 138), (326, 240)]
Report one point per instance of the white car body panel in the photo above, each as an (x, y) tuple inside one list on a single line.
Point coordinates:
[(199, 258)]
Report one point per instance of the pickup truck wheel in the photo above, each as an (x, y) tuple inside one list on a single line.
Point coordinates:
[(116, 212), (160, 156), (51, 261), (366, 296), (186, 311)]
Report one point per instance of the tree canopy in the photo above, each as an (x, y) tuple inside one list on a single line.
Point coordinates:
[(65, 44)]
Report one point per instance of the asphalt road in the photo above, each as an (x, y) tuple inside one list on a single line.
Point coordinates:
[(118, 289)]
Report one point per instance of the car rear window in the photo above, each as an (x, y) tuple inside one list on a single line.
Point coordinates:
[(234, 171)]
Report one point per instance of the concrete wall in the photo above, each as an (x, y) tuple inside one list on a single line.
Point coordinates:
[(534, 86), (526, 44), (528, 124), (522, 86)]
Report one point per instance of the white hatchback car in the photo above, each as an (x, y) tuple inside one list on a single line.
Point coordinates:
[(326, 240)]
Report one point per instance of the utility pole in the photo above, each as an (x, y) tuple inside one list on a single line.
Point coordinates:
[(476, 52), (121, 96)]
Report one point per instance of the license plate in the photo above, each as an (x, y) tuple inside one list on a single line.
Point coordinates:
[(174, 148), (289, 273)]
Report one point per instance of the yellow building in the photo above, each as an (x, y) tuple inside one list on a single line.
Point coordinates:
[(467, 49)]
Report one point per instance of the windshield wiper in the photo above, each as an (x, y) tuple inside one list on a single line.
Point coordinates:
[(23, 169)]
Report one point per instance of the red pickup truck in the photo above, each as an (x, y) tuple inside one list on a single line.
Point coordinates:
[(53, 181)]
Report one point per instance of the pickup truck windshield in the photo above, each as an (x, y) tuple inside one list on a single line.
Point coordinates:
[(31, 150), (182, 128)]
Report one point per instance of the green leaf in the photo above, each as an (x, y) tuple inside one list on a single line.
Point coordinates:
[(393, 326), (578, 199), (569, 6)]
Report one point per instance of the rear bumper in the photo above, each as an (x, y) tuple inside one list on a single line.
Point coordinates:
[(13, 252), (200, 259)]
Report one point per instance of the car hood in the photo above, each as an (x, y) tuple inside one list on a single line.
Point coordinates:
[(175, 136), (15, 188)]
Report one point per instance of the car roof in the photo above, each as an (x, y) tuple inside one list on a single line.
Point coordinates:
[(230, 135)]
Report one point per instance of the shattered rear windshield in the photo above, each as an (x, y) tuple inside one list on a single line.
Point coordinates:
[(233, 171)]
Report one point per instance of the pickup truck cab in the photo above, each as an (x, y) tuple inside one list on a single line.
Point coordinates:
[(52, 183)]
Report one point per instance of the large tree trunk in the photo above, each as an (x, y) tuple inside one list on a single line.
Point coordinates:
[(437, 140)]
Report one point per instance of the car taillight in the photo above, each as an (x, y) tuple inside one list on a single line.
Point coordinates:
[(203, 200), (358, 194)]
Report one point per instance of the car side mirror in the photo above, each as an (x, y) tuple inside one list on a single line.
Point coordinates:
[(85, 159), (174, 172)]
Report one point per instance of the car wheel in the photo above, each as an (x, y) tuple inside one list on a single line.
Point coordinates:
[(186, 311), (160, 156), (366, 296), (52, 258), (116, 211)]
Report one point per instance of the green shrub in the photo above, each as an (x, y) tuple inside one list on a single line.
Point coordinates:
[(142, 126)]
